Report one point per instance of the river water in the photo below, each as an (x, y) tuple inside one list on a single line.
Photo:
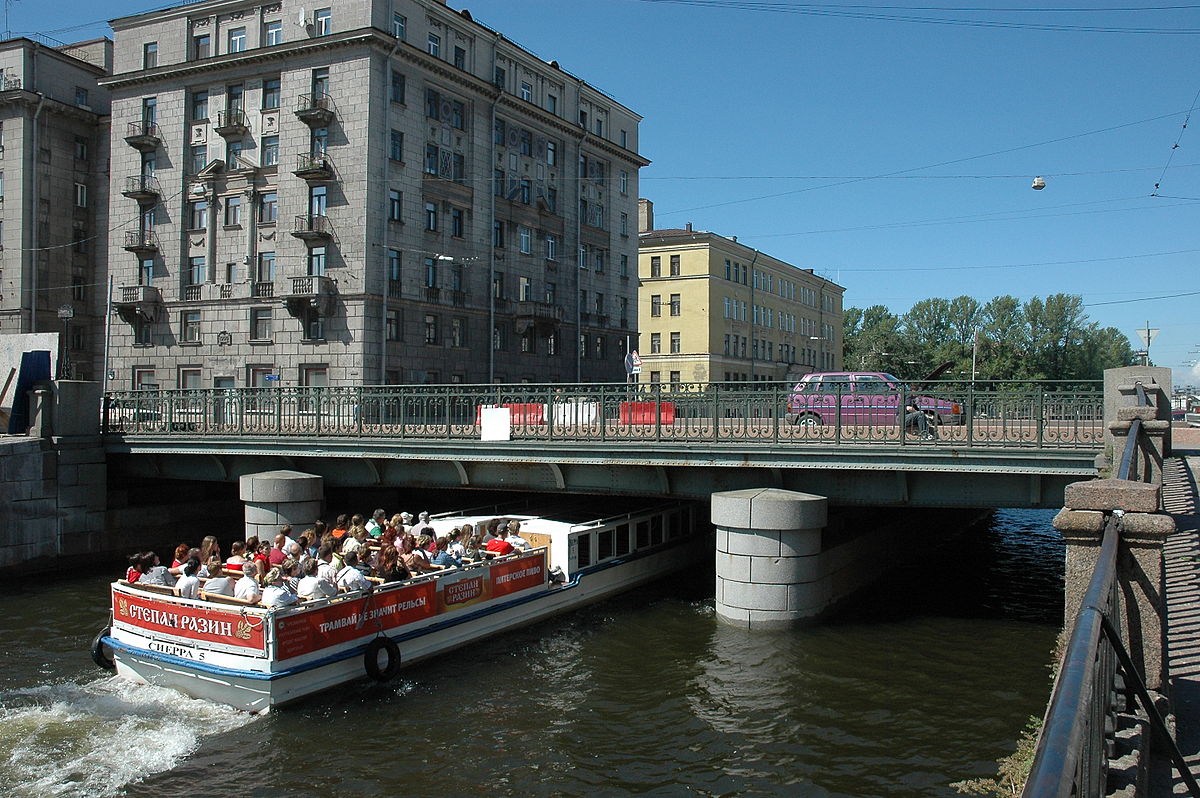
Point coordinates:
[(925, 681)]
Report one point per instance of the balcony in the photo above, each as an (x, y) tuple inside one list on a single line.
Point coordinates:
[(431, 295), (232, 123), (458, 299), (262, 289), (142, 242), (314, 166), (311, 291), (135, 303), (143, 188), (537, 311), (143, 135), (313, 227), (315, 110)]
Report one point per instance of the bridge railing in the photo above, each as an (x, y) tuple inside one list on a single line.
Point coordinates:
[(1032, 414)]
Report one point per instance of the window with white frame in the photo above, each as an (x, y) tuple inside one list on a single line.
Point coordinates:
[(235, 40), (81, 195), (323, 21), (525, 238), (434, 45), (399, 26)]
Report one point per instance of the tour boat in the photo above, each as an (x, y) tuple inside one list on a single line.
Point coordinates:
[(254, 658)]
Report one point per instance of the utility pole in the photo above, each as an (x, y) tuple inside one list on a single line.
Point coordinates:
[(1147, 334)]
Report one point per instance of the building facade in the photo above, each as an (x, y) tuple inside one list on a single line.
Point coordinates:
[(362, 193), (54, 196), (713, 310)]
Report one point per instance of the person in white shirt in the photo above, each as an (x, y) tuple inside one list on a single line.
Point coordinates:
[(375, 525), (188, 585), (247, 588), (423, 527), (218, 583), (313, 585), (276, 594), (350, 578), (514, 537)]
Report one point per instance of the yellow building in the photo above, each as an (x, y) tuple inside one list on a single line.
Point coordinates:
[(713, 310)]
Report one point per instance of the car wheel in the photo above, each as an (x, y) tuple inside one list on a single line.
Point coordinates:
[(809, 420)]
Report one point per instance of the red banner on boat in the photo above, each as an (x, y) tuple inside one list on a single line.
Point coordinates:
[(344, 621), (227, 627), (512, 576)]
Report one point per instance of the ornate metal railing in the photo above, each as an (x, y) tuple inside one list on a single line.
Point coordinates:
[(1030, 415)]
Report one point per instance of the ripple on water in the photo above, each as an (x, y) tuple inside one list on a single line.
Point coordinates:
[(91, 739)]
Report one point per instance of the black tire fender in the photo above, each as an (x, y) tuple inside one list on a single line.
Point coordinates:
[(100, 654), (387, 671)]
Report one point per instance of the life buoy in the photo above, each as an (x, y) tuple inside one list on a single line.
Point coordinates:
[(390, 667), (100, 653)]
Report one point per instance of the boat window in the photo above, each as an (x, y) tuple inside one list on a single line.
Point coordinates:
[(656, 530), (622, 533), (606, 544), (643, 534), (674, 525), (584, 557)]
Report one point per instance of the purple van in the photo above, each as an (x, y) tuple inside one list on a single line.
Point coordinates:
[(861, 398)]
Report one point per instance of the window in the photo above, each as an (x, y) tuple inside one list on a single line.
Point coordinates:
[(498, 234), (236, 41), (526, 141), (431, 273), (198, 215), (456, 222), (233, 211), (323, 21), (525, 239), (271, 94), (202, 45), (552, 104), (460, 58), (551, 247), (393, 266), (624, 182), (674, 265), (273, 33), (625, 139), (599, 126), (601, 347), (396, 148), (199, 155), (318, 140), (397, 87), (498, 338), (458, 331), (393, 325), (260, 324), (498, 286), (233, 150), (146, 272), (599, 261), (150, 110), (529, 341), (189, 327), (200, 104), (675, 378), (655, 344), (149, 55), (551, 152), (81, 198), (675, 343), (624, 224), (81, 147), (526, 91), (431, 216), (674, 304), (196, 273), (656, 305), (456, 277), (434, 45), (431, 328), (500, 79), (270, 150), (655, 266), (268, 207), (395, 205), (399, 26), (624, 268), (316, 262), (266, 267), (320, 82)]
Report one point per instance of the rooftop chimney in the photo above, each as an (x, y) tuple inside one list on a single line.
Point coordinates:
[(688, 227), (645, 216)]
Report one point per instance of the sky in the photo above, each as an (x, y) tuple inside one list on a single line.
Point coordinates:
[(891, 146)]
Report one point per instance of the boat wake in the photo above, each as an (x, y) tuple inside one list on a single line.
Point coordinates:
[(94, 738)]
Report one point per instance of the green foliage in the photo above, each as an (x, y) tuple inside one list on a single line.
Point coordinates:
[(1043, 338), (1012, 770)]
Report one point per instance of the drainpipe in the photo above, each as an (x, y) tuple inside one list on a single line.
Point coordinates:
[(32, 255), (753, 334), (383, 284), (578, 246), (491, 282)]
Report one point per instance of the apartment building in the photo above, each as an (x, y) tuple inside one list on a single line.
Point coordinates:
[(713, 310), (54, 196), (362, 193)]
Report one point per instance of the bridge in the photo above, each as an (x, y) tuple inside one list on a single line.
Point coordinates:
[(996, 445)]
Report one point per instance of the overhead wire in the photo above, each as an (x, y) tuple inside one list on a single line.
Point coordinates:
[(1179, 138)]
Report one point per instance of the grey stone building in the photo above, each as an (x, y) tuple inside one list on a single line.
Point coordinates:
[(54, 196), (362, 193)]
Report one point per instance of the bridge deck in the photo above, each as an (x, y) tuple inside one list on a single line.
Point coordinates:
[(1182, 564)]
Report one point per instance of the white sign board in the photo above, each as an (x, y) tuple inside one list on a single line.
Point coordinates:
[(495, 424), (1147, 334)]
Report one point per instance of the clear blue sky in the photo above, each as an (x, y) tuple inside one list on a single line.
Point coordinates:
[(896, 157)]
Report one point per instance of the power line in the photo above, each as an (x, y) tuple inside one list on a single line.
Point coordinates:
[(1141, 299), (1038, 264), (1171, 155), (1022, 176)]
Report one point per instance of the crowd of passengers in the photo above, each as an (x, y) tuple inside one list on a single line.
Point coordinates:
[(355, 554)]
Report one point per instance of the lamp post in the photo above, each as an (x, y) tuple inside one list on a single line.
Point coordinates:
[(66, 313)]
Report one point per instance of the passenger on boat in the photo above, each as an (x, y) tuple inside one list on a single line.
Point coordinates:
[(375, 525), (423, 527), (318, 531), (443, 558), (286, 531), (262, 559), (188, 585), (308, 542), (134, 571), (498, 546), (340, 526), (456, 546), (473, 548), (325, 568), (298, 551), (388, 567), (312, 585), (181, 555), (290, 570), (491, 531), (209, 549), (411, 557), (154, 572), (276, 593), (396, 523), (247, 588), (218, 583), (350, 578), (278, 553), (236, 559), (514, 538)]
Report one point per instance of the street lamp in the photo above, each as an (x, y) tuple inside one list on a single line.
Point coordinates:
[(66, 313)]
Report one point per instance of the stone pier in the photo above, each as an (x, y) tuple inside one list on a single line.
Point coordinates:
[(275, 498)]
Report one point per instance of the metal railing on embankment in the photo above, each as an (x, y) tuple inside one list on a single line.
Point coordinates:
[(1097, 678), (1033, 415)]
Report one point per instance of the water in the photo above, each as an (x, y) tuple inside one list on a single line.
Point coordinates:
[(925, 681)]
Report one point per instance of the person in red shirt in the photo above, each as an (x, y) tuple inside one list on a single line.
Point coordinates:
[(499, 547)]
